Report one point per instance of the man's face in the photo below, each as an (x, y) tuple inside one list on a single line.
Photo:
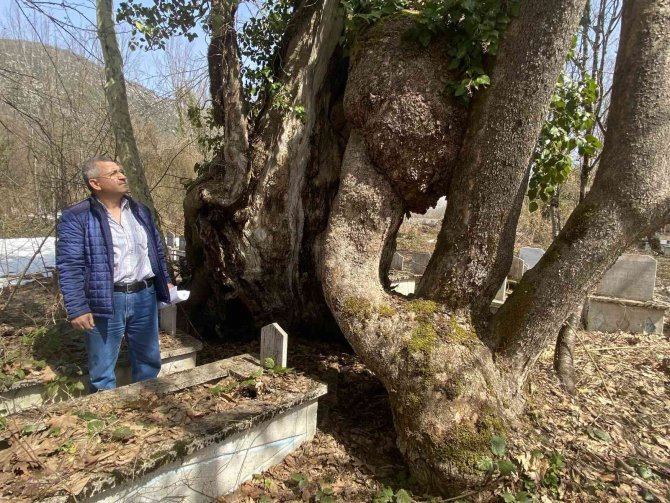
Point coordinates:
[(110, 179)]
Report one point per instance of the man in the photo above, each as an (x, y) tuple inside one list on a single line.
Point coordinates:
[(111, 269)]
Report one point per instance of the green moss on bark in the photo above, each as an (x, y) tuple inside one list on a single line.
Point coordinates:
[(461, 335), (423, 338), (357, 307), (465, 445), (422, 307)]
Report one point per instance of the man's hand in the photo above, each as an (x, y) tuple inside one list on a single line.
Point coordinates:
[(170, 285), (83, 322)]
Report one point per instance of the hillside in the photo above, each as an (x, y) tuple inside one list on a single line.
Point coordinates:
[(33, 76)]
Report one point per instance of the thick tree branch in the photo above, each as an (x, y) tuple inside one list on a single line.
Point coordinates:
[(474, 248), (629, 198), (364, 212), (228, 99)]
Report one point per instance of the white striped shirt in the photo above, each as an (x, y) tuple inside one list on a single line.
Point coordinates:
[(131, 253)]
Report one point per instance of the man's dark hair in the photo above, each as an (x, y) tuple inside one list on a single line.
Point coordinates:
[(89, 168)]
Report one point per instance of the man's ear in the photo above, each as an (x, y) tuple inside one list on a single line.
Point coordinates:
[(93, 183)]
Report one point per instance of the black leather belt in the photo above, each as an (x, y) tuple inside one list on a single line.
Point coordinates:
[(133, 287)]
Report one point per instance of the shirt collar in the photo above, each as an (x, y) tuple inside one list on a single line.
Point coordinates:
[(124, 203)]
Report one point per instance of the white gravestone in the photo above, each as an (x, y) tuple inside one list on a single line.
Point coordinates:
[(501, 295), (274, 343), (519, 267), (404, 286), (419, 262), (531, 256), (631, 277), (397, 262), (168, 319)]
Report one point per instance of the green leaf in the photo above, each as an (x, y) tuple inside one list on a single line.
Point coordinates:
[(403, 496), (384, 496), (300, 479), (460, 90), (598, 434), (506, 467), (453, 64), (28, 429), (498, 445), (485, 464), (269, 363), (39, 364), (595, 142), (94, 426), (647, 495), (557, 461), (122, 433), (424, 38), (523, 497), (644, 471), (533, 206), (508, 497)]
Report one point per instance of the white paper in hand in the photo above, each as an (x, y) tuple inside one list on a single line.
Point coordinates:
[(175, 297)]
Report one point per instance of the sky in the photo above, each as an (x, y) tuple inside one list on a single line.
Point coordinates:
[(72, 27)]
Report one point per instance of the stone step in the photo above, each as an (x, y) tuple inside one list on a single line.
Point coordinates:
[(609, 314), (196, 459), (178, 352)]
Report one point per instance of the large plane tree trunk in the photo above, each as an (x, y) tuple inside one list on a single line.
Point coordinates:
[(297, 219)]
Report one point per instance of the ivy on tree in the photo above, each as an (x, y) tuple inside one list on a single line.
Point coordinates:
[(473, 30), (565, 132)]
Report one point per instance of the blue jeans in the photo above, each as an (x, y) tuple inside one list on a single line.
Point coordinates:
[(136, 317)]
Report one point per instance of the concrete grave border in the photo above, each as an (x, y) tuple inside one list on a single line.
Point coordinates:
[(245, 440), (610, 314)]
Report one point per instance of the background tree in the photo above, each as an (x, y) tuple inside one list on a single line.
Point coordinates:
[(117, 104), (296, 215)]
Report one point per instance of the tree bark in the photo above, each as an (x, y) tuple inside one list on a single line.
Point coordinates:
[(448, 399), (117, 106), (474, 249), (255, 230), (228, 101), (630, 194), (565, 349)]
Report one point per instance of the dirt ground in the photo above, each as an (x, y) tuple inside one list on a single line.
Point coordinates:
[(611, 442)]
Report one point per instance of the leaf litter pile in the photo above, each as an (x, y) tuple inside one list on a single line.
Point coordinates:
[(65, 448), (610, 442)]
